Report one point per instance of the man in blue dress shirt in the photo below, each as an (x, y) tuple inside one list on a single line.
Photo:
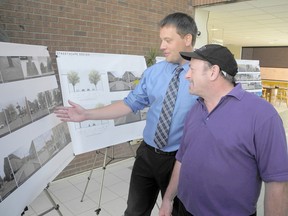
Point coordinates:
[(153, 166)]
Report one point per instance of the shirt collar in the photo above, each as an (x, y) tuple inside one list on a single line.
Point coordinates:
[(237, 92), (185, 67)]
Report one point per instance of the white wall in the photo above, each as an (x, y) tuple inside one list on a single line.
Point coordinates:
[(201, 19)]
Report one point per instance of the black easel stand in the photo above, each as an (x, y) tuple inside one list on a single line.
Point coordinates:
[(105, 163)]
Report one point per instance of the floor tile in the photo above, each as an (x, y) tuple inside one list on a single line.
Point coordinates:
[(77, 207), (60, 184), (79, 178), (42, 203), (110, 179), (92, 212), (91, 186), (67, 194), (115, 207), (124, 173), (106, 196), (120, 188)]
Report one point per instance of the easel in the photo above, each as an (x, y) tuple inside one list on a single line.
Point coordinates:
[(55, 206), (105, 163)]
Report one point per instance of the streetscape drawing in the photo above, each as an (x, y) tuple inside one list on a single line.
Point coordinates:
[(98, 79)]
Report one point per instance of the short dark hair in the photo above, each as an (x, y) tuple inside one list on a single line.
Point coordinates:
[(184, 24)]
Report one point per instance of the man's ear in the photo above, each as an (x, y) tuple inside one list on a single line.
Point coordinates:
[(188, 39), (215, 72)]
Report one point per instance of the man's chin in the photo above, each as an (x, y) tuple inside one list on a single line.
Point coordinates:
[(167, 59), (191, 91), (173, 61)]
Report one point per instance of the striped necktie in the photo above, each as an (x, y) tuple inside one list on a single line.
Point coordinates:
[(162, 130)]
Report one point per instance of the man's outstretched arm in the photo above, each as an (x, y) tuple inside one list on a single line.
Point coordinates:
[(76, 113)]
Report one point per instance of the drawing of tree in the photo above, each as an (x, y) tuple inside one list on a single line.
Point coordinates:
[(49, 98), (94, 77), (73, 78), (11, 112), (42, 100)]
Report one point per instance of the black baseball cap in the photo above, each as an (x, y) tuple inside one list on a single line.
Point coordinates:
[(216, 55)]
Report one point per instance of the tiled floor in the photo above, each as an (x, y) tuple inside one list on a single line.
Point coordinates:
[(68, 192)]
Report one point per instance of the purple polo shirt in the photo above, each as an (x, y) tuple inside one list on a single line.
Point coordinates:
[(225, 154)]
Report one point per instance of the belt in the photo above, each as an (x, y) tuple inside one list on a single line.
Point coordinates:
[(158, 151)]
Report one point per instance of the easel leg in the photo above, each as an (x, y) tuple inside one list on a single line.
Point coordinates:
[(89, 177), (55, 206), (105, 163), (102, 181)]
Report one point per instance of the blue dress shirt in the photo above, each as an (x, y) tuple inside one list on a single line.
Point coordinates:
[(150, 92)]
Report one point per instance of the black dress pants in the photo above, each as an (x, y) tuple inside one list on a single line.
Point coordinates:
[(151, 173)]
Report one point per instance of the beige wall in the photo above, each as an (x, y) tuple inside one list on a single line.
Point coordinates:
[(236, 50)]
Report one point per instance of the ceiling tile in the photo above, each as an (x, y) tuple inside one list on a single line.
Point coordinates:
[(249, 23)]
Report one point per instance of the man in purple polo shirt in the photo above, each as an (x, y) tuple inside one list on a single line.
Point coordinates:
[(233, 140)]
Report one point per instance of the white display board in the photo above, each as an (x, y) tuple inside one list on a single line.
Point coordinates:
[(249, 76), (94, 80), (34, 145)]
